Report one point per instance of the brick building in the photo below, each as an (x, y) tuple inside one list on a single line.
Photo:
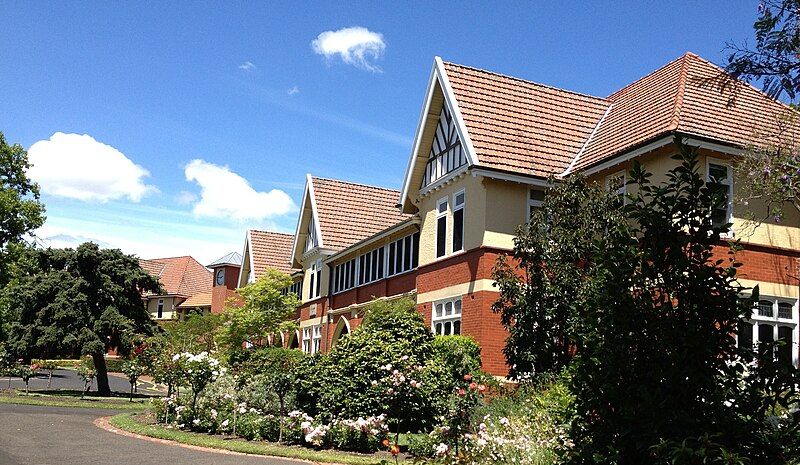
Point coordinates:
[(483, 150)]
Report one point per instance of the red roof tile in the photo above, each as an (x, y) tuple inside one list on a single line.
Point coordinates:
[(349, 212), (270, 250), (179, 275)]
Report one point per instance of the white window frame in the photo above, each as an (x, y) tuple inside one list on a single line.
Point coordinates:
[(533, 202), (728, 181), (306, 347), (456, 304), (620, 191), (316, 339), (439, 215), (160, 308), (456, 208), (775, 321), (315, 280)]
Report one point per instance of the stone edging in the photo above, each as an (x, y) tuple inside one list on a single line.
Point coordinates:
[(103, 423)]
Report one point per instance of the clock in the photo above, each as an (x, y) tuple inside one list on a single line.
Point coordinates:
[(220, 276)]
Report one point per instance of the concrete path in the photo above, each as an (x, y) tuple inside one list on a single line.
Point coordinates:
[(31, 435)]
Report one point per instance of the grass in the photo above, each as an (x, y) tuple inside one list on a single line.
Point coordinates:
[(128, 422), (73, 400)]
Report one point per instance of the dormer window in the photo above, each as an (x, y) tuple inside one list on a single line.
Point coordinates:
[(446, 153)]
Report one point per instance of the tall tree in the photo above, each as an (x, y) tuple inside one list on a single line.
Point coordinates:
[(80, 301), (775, 59), (266, 307)]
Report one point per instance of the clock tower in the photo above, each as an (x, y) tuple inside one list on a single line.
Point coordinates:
[(225, 273)]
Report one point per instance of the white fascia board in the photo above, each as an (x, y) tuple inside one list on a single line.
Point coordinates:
[(519, 178), (245, 253), (662, 142), (412, 161), (314, 215), (438, 75), (300, 217)]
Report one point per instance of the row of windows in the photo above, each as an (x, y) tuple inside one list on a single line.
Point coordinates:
[(397, 257), (459, 200), (296, 288), (772, 320)]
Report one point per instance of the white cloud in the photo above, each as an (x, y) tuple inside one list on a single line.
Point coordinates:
[(293, 90), (247, 66), (357, 46), (79, 167), (226, 194), (186, 198)]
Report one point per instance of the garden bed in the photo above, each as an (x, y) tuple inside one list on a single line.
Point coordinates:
[(144, 424)]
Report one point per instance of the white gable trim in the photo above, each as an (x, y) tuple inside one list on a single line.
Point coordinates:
[(438, 75), (586, 143), (307, 192), (246, 253)]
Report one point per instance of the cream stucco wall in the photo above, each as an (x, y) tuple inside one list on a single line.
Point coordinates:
[(474, 216), (307, 260), (169, 307)]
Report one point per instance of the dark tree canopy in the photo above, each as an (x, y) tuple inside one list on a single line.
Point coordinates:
[(775, 59), (79, 301)]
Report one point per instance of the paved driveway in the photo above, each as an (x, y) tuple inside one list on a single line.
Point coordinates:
[(32, 435), (70, 381)]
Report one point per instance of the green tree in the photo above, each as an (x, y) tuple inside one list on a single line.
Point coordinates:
[(80, 301), (266, 307), (542, 286)]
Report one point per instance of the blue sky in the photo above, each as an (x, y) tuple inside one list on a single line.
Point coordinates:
[(186, 90)]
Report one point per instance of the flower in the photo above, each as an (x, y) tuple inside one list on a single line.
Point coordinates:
[(461, 392), (196, 421), (395, 449), (481, 388), (224, 424), (385, 442), (468, 377), (473, 385), (442, 449)]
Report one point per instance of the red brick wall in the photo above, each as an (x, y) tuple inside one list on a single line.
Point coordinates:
[(462, 268), (765, 264)]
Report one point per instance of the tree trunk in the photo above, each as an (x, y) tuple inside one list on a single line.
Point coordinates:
[(282, 414), (102, 374)]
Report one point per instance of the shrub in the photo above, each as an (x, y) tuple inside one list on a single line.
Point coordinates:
[(424, 445)]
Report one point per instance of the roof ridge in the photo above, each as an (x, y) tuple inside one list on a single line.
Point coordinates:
[(268, 232), (649, 74), (678, 107), (527, 81), (356, 183)]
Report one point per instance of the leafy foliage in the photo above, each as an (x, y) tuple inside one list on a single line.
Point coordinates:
[(80, 301), (776, 56), (542, 287)]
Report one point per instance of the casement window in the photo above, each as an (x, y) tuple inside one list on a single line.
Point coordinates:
[(446, 153), (160, 309), (773, 319), (441, 227), (307, 339), (315, 280), (344, 276), (403, 255), (311, 236), (458, 221), (312, 339), (446, 317), (720, 180), (535, 200), (616, 186), (370, 266), (296, 288)]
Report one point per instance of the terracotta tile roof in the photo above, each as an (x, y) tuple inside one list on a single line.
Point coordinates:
[(528, 128), (349, 212), (521, 126), (179, 275), (270, 250), (202, 299)]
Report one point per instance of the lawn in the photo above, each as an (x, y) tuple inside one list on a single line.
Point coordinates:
[(72, 399), (133, 423)]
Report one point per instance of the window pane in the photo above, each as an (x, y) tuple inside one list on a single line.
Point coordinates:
[(784, 310), (448, 328), (438, 310), (765, 308), (442, 207), (391, 258), (766, 333), (441, 235), (745, 335), (718, 172), (537, 194), (458, 230), (438, 328), (380, 263), (457, 327), (407, 253), (459, 199), (458, 307), (415, 250), (448, 308), (785, 349)]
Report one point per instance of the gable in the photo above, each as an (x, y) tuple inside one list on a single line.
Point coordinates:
[(446, 153)]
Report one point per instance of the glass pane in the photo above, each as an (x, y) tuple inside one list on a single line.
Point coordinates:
[(458, 307), (441, 236), (448, 308), (458, 230), (448, 328), (745, 335), (438, 310), (537, 194), (391, 258), (438, 328), (765, 308), (718, 172), (785, 349), (407, 253), (457, 327), (459, 199), (784, 310), (766, 333), (442, 207)]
